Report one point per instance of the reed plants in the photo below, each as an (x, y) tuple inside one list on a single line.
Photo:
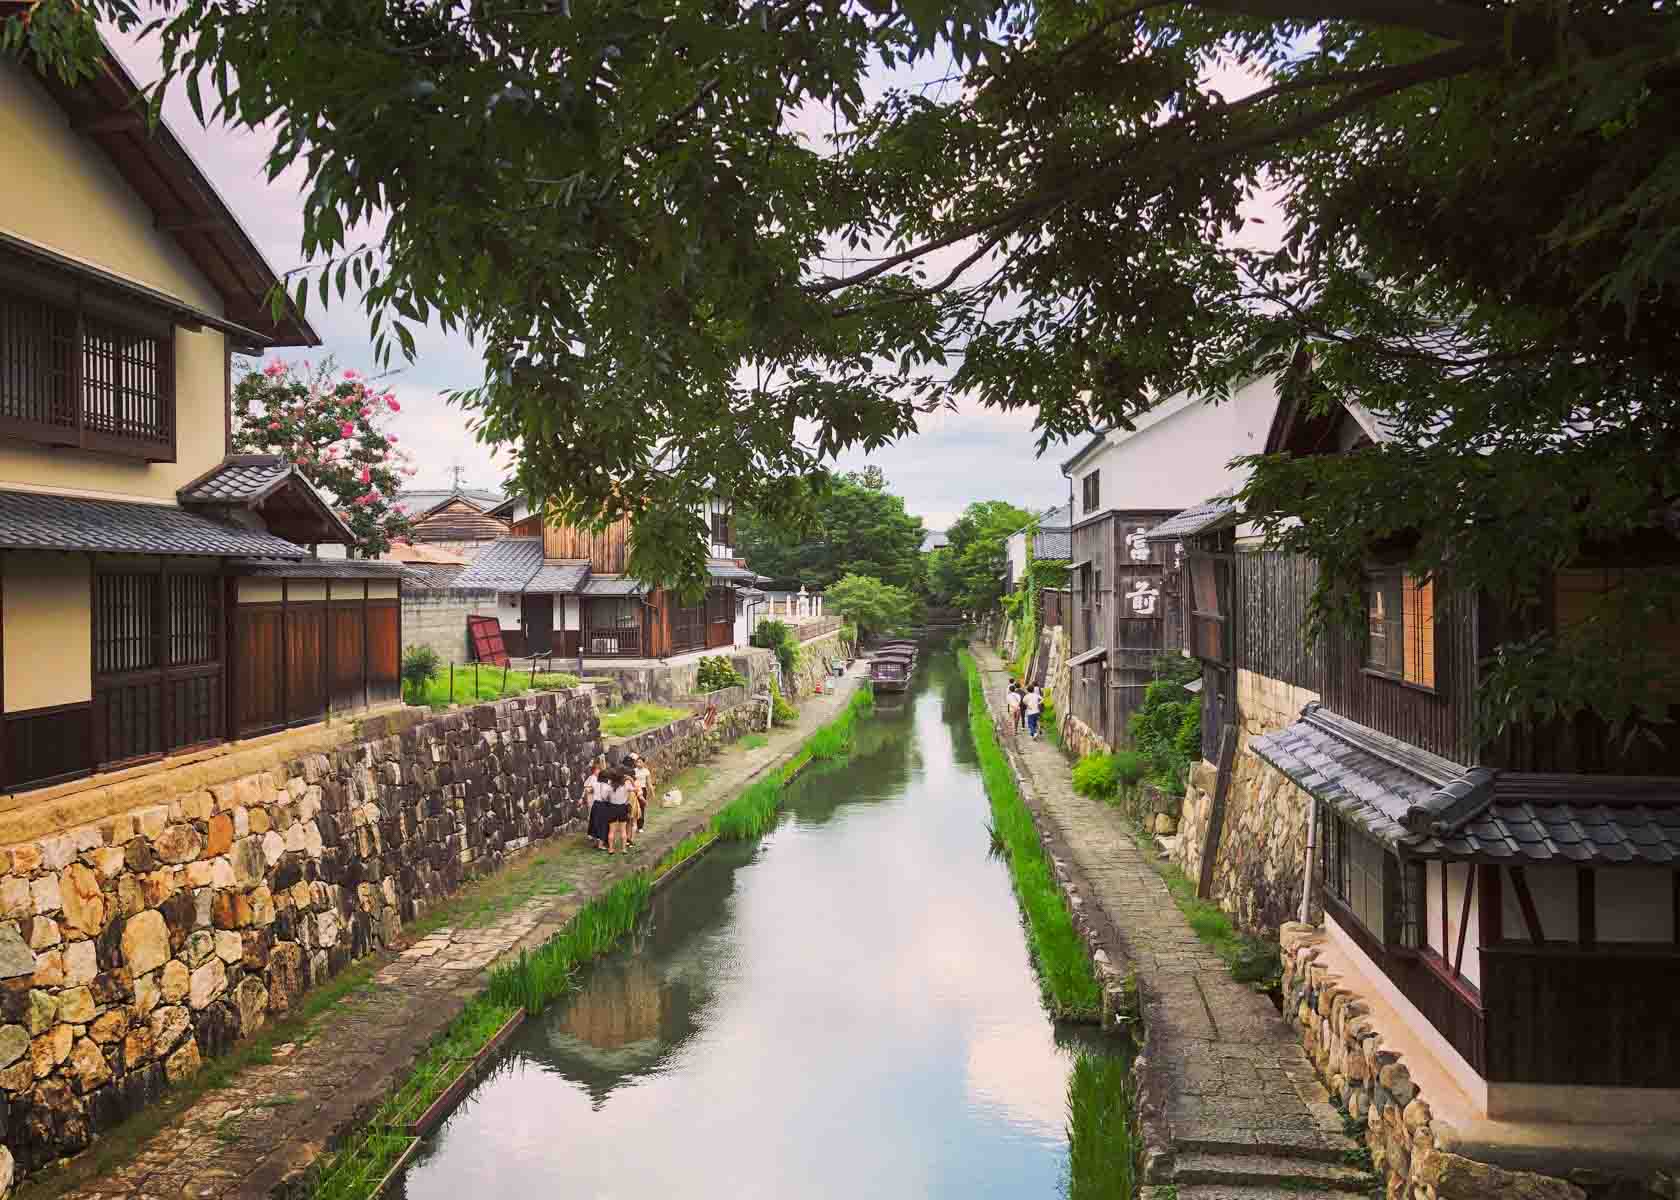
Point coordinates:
[(538, 977), (1066, 979), (1102, 1140), (753, 812)]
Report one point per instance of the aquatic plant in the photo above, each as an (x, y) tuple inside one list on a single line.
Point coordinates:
[(1102, 1140), (538, 977), (1066, 979), (753, 812)]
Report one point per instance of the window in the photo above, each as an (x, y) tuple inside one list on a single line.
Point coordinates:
[(1400, 634), (1210, 607), (1353, 873), (1091, 491), (1096, 589), (157, 662), (70, 376), (1085, 584)]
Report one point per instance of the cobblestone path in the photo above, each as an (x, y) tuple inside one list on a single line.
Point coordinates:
[(253, 1138), (1229, 1094)]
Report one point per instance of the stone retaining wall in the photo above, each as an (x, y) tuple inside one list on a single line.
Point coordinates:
[(1409, 1152), (133, 947), (719, 719), (671, 683), (1259, 866)]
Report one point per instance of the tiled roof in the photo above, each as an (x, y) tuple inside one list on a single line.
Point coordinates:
[(612, 585), (1053, 545), (322, 568), (36, 522), (432, 575), (505, 565), (1221, 510), (423, 499), (238, 479), (726, 569), (1520, 818), (564, 578), (1373, 780), (1095, 654)]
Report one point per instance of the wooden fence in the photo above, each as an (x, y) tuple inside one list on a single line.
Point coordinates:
[(293, 661)]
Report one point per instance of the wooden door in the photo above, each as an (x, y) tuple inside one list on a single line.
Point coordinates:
[(539, 624)]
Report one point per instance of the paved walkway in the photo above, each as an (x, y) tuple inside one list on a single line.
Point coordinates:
[(1225, 1083), (254, 1137)]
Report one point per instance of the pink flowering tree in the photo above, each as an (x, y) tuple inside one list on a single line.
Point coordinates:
[(334, 426)]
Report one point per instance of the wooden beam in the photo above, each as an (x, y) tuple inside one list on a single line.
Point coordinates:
[(1464, 916), (1216, 813), (1586, 906), (117, 122), (191, 224), (1531, 915), (1446, 939)]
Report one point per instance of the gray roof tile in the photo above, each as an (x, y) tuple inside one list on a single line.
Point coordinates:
[(612, 585), (36, 522), (561, 578), (239, 479), (1221, 510), (323, 568), (505, 565)]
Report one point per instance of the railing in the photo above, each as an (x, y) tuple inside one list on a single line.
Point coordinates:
[(615, 641), (817, 627)]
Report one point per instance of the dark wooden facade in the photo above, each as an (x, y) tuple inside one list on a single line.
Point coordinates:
[(607, 551), (1124, 595)]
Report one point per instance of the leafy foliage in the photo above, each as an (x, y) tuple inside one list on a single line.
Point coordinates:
[(873, 606), (717, 672), (967, 572), (780, 637), (1104, 776), (782, 710), (1166, 728), (332, 427), (419, 666), (1476, 242), (848, 525)]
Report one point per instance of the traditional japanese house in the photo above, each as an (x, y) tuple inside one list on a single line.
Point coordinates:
[(460, 520), (563, 590), (1510, 908), (159, 593), (1125, 596)]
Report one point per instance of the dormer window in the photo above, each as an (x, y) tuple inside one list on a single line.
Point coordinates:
[(1400, 626)]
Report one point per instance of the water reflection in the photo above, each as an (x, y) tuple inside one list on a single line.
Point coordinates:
[(844, 1009)]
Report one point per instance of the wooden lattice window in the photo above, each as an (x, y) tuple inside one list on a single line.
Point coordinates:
[(70, 376), (1210, 607), (125, 616), (1091, 491), (723, 528), (157, 662), (1353, 874), (1400, 631)]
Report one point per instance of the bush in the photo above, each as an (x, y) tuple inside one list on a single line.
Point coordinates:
[(419, 666), (1102, 776), (782, 712), (717, 672), (1167, 727), (780, 637)]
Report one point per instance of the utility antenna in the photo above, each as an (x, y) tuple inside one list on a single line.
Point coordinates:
[(455, 473)]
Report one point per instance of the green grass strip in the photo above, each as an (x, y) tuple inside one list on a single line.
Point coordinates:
[(1066, 979), (753, 812), (1102, 1141)]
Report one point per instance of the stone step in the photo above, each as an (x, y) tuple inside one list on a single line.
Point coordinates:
[(1221, 1191), (1319, 1147), (1268, 1170)]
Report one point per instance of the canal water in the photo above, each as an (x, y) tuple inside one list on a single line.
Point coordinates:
[(844, 1008)]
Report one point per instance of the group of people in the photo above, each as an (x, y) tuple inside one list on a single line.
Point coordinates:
[(616, 797), (1025, 704)]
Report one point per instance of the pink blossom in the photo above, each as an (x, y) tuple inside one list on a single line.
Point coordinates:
[(392, 401), (275, 369), (367, 475), (392, 439), (274, 424), (367, 412), (302, 462), (345, 429), (351, 374)]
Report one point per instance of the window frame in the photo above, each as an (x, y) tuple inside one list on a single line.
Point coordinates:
[(104, 337), (1345, 844), (1393, 576), (1221, 568), (723, 528), (1091, 490)]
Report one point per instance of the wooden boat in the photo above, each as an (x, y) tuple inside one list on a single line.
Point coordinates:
[(891, 674)]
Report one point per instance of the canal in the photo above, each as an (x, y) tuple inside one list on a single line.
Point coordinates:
[(844, 1008)]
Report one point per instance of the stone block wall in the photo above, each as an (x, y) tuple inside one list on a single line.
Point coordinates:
[(813, 658), (675, 682), (1259, 866), (1411, 1153), (437, 617), (134, 947), (718, 719)]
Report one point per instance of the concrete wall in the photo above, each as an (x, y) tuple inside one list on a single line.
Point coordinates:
[(437, 617), (1259, 868), (64, 194), (133, 947), (48, 621)]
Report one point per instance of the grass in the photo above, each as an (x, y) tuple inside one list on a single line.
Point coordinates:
[(492, 897), (755, 741), (1066, 979), (638, 718), (476, 683), (754, 811), (1249, 959), (1102, 1142), (535, 979)]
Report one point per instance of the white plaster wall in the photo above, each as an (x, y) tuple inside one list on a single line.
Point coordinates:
[(1016, 547), (1635, 904), (1554, 892), (1179, 458), (568, 611), (743, 629), (507, 609), (1458, 875)]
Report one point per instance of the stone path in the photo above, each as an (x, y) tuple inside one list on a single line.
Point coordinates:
[(1231, 1107), (254, 1138)]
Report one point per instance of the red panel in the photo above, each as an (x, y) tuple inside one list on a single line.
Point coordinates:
[(486, 634)]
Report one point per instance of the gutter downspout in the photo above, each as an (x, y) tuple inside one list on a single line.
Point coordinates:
[(1312, 856)]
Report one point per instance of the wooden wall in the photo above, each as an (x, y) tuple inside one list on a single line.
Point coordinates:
[(607, 550), (293, 660), (1271, 590)]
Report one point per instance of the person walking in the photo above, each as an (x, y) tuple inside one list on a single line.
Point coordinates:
[(1014, 707), (1033, 704), (598, 796), (644, 785)]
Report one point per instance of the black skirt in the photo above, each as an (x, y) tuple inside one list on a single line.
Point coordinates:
[(600, 816)]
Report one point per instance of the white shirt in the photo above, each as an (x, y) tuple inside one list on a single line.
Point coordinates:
[(1034, 702), (1014, 700)]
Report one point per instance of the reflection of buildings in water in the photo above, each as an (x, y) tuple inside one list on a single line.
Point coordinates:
[(618, 1007)]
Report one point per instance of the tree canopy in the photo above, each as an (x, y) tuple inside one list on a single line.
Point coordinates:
[(848, 525), (873, 606), (967, 572), (1476, 235)]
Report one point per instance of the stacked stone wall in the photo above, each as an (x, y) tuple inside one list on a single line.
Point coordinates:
[(1411, 1153), (1259, 865), (135, 946), (719, 718), (670, 683)]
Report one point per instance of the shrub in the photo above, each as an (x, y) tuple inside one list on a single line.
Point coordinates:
[(717, 672), (419, 666), (1102, 776), (782, 712), (1166, 728), (780, 637)]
